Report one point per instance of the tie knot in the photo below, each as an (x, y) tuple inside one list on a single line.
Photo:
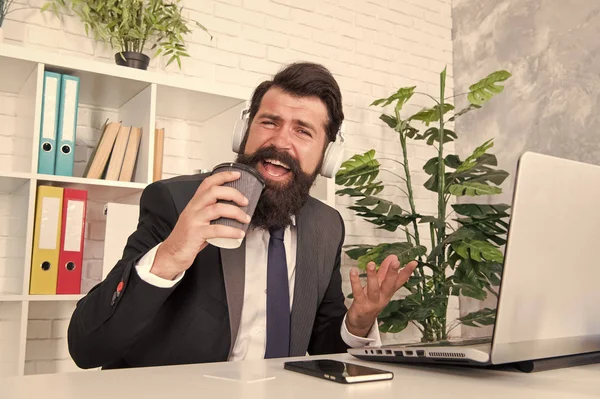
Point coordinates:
[(277, 233)]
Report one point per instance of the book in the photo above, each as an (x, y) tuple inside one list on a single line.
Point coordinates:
[(159, 145), (99, 158), (131, 153)]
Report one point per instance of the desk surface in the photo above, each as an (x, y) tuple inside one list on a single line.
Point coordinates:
[(189, 381)]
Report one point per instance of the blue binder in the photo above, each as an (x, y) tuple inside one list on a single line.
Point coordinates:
[(49, 122), (67, 125)]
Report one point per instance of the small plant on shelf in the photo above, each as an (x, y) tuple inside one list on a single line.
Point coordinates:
[(130, 26)]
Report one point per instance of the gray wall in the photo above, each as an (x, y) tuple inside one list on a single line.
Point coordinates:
[(552, 102), (550, 105)]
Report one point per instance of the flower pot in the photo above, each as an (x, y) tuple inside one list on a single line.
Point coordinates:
[(132, 59)]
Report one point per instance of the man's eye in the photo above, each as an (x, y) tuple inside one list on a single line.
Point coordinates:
[(305, 132), (268, 123)]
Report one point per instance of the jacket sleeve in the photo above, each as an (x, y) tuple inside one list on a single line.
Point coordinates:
[(326, 337), (111, 317)]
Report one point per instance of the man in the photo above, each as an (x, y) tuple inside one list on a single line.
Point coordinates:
[(174, 299)]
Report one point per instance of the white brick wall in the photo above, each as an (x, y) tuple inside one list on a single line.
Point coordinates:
[(372, 47), (46, 350)]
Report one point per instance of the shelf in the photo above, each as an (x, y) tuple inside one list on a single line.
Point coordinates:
[(173, 102), (11, 298), (40, 298), (113, 83), (99, 189), (15, 73), (52, 298), (12, 181)]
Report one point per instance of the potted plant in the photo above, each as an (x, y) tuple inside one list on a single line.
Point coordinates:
[(130, 26), (463, 257)]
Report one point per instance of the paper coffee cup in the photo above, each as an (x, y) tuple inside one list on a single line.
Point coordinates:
[(251, 185)]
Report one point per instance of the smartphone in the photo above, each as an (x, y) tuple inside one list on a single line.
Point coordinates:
[(342, 372)]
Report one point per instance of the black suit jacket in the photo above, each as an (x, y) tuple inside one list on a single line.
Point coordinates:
[(126, 322)]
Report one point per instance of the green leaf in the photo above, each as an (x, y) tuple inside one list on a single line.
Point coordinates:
[(389, 120), (469, 290), (361, 191), (428, 115), (471, 161), (394, 324), (358, 250), (382, 213), (477, 250), (482, 91), (403, 250), (359, 170), (431, 166), (401, 96), (460, 113), (484, 317), (432, 135), (473, 189)]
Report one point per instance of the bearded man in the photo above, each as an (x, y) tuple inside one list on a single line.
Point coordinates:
[(173, 298)]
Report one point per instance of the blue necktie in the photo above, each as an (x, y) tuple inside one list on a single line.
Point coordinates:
[(278, 298)]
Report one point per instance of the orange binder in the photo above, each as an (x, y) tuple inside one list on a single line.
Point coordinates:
[(70, 259)]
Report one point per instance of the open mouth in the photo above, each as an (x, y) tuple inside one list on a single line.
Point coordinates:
[(275, 168)]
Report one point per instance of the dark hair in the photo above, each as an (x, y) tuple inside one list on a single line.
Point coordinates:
[(305, 79)]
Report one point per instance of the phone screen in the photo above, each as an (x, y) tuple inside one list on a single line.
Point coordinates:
[(346, 372)]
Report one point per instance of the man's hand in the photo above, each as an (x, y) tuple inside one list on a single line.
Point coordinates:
[(177, 253), (370, 300)]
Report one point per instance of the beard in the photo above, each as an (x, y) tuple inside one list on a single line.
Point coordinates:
[(279, 200)]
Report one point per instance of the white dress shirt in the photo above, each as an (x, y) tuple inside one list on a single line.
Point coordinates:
[(252, 334)]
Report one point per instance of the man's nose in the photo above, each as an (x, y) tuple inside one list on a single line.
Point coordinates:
[(282, 137)]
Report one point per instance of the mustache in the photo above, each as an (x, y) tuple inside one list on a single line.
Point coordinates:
[(262, 154)]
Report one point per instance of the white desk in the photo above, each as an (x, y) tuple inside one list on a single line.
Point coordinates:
[(179, 382)]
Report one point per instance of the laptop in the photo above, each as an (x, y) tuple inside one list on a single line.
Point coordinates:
[(549, 295)]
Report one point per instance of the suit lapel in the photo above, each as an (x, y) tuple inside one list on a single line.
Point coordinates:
[(234, 270), (305, 286)]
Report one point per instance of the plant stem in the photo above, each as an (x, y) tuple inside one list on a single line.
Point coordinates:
[(411, 201), (395, 174), (428, 95), (438, 279), (408, 235)]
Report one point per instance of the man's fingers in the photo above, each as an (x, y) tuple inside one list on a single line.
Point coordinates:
[(388, 286), (357, 290), (405, 274), (218, 179), (382, 272), (385, 266), (202, 199), (219, 210), (372, 283)]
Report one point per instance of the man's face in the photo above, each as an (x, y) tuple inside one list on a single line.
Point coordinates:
[(292, 125), (285, 143)]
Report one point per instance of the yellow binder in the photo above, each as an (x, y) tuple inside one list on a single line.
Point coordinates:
[(46, 240)]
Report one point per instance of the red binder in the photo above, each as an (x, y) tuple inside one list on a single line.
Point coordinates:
[(70, 259)]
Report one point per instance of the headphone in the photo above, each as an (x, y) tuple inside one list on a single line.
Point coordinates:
[(332, 159)]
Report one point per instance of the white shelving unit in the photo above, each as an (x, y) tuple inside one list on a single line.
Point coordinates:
[(141, 98)]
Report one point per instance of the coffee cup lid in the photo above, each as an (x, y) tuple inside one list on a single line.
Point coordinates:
[(242, 166)]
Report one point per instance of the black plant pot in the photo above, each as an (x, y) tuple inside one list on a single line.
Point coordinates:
[(132, 59)]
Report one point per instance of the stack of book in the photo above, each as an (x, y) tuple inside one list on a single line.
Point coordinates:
[(114, 158)]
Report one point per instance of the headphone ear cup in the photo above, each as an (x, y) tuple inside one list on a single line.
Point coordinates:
[(332, 160), (238, 134)]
